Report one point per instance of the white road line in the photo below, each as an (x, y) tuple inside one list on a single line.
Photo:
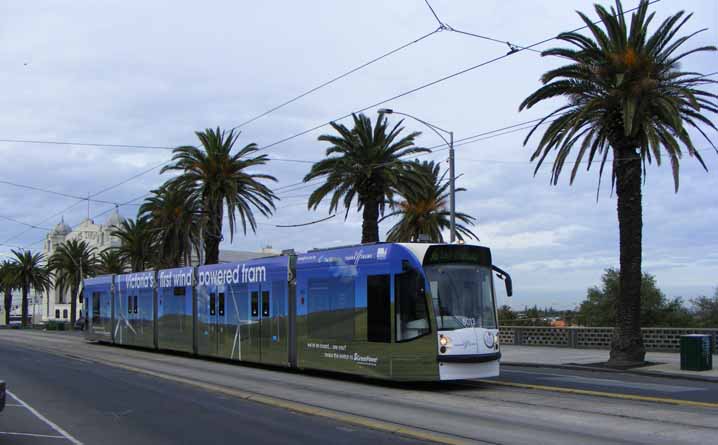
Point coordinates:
[(52, 425), (14, 404), (46, 436)]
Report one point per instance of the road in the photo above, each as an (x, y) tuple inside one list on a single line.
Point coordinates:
[(95, 403), (617, 383), (104, 394)]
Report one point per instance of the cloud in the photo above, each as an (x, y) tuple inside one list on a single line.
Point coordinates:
[(153, 74)]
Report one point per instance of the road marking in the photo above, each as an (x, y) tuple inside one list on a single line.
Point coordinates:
[(46, 436), (47, 421), (585, 392), (13, 404)]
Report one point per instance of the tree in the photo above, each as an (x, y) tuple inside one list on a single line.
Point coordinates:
[(110, 261), (506, 315), (173, 214), (365, 163), (136, 243), (71, 263), (424, 210), (626, 96), (30, 274), (706, 310), (8, 282), (656, 309), (218, 178)]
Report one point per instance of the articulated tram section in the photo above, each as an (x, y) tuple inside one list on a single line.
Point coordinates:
[(412, 312)]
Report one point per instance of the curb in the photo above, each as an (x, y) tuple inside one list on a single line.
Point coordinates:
[(577, 367)]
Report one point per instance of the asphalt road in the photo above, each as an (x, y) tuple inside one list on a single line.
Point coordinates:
[(82, 402), (105, 394), (612, 382)]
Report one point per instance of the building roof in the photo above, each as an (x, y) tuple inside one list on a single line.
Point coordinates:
[(114, 219), (61, 228)]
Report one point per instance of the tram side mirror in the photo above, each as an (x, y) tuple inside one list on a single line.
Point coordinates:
[(507, 280)]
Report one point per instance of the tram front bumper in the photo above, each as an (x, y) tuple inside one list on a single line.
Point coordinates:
[(469, 358)]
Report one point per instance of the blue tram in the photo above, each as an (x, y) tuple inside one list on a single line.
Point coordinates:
[(415, 312)]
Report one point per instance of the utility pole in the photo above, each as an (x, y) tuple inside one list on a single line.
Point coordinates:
[(452, 187)]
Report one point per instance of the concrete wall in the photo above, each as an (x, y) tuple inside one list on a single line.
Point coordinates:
[(655, 339)]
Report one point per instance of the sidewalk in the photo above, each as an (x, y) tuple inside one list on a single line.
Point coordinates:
[(669, 363)]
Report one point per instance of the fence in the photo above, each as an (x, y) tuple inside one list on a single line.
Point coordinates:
[(655, 339)]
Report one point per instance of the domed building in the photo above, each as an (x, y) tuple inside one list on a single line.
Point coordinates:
[(99, 236)]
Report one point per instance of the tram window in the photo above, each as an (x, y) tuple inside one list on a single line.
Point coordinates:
[(129, 304), (265, 303), (95, 307), (378, 308), (412, 319), (135, 304), (255, 304), (179, 291), (221, 304), (212, 304)]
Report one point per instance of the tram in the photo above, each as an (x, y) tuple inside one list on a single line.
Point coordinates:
[(409, 312)]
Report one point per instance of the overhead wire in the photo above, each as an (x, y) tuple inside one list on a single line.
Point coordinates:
[(427, 85)]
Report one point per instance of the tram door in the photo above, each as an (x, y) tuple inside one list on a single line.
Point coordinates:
[(216, 325), (258, 346)]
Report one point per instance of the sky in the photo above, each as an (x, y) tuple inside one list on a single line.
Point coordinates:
[(153, 73)]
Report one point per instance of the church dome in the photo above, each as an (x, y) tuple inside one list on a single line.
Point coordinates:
[(114, 219), (61, 228)]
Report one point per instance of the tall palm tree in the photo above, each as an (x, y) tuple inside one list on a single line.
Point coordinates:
[(365, 163), (135, 243), (218, 178), (173, 213), (424, 209), (625, 96), (30, 273), (110, 261), (71, 263), (7, 284)]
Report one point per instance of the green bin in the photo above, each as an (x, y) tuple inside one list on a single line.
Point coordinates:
[(696, 352)]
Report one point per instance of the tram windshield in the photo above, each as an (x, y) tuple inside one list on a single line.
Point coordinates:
[(462, 295)]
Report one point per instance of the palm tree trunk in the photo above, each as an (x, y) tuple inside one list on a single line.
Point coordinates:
[(73, 307), (8, 305), (213, 236), (627, 344), (24, 310), (370, 221)]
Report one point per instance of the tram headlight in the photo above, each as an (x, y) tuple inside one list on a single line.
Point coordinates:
[(496, 341), (443, 341)]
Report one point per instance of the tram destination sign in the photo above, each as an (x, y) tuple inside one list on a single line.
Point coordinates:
[(451, 254)]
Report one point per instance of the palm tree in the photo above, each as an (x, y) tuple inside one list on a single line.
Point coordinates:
[(364, 163), (136, 243), (424, 209), (7, 284), (625, 95), (30, 274), (110, 261), (71, 263), (218, 178), (174, 216)]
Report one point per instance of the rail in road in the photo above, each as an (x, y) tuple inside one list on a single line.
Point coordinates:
[(451, 413)]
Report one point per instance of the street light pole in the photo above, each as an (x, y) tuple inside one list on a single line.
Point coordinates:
[(452, 171), (452, 188)]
